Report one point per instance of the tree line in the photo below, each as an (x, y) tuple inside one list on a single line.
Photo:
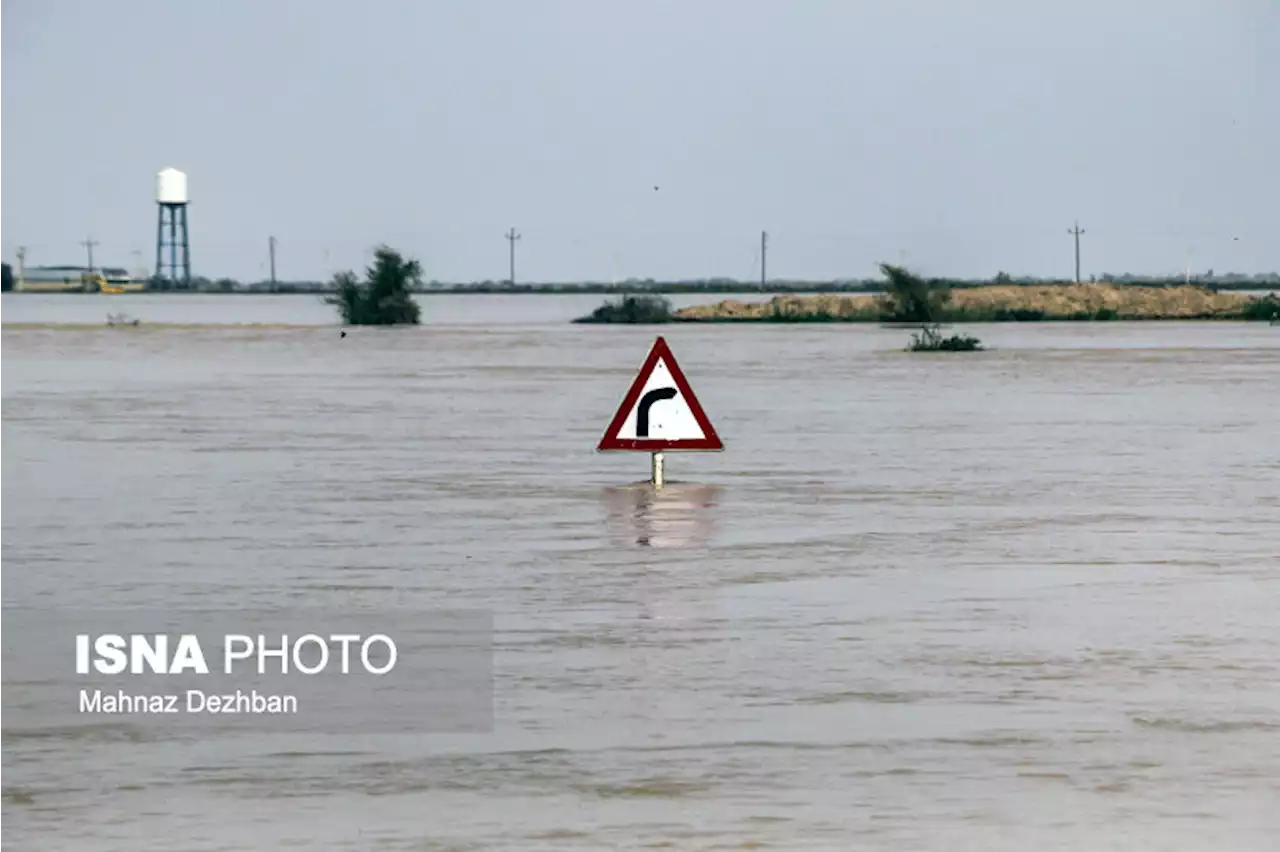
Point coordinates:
[(1209, 279)]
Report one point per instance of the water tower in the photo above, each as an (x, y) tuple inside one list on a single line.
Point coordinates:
[(173, 265)]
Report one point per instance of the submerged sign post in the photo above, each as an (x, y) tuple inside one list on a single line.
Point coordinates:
[(660, 413)]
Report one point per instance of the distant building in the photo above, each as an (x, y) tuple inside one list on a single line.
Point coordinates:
[(51, 279), (76, 279)]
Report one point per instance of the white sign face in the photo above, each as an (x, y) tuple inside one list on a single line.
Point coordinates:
[(661, 413)]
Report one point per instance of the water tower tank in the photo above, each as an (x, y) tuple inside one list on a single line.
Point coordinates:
[(171, 187)]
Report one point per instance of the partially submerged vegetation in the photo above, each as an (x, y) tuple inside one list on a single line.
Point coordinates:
[(1011, 303), (907, 299), (644, 309), (383, 297), (910, 299), (930, 339)]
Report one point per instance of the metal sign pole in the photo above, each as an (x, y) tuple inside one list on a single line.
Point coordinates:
[(657, 470)]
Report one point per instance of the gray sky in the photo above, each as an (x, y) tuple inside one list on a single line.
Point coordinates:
[(963, 137)]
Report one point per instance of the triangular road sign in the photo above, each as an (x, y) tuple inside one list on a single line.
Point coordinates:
[(660, 412)]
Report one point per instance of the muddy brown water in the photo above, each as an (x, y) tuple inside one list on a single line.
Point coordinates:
[(1023, 598)]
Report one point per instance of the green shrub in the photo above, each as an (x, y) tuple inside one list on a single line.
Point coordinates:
[(911, 298), (930, 339), (1018, 315), (1264, 308), (383, 298), (638, 310)]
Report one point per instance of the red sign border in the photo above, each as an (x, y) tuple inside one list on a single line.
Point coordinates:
[(709, 443)]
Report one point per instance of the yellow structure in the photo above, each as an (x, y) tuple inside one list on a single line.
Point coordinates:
[(109, 289), (119, 281), (76, 279)]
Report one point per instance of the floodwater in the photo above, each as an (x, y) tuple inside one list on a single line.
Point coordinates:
[(1018, 599), (311, 309)]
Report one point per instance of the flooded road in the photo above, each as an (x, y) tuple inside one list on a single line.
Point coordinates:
[(1023, 598)]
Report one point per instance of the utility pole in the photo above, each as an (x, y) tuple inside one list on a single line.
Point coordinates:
[(764, 260), (89, 243), (271, 250), (512, 236), (1076, 232)]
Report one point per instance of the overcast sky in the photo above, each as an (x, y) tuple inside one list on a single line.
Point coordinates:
[(649, 139)]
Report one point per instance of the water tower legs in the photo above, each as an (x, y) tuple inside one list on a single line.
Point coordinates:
[(171, 233)]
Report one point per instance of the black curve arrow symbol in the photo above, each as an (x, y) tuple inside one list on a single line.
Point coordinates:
[(646, 402)]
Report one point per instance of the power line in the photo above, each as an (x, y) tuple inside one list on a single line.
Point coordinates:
[(88, 244), (764, 255), (1076, 232), (511, 237), (271, 251)]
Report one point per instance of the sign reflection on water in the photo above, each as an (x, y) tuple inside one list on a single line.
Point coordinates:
[(680, 515)]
